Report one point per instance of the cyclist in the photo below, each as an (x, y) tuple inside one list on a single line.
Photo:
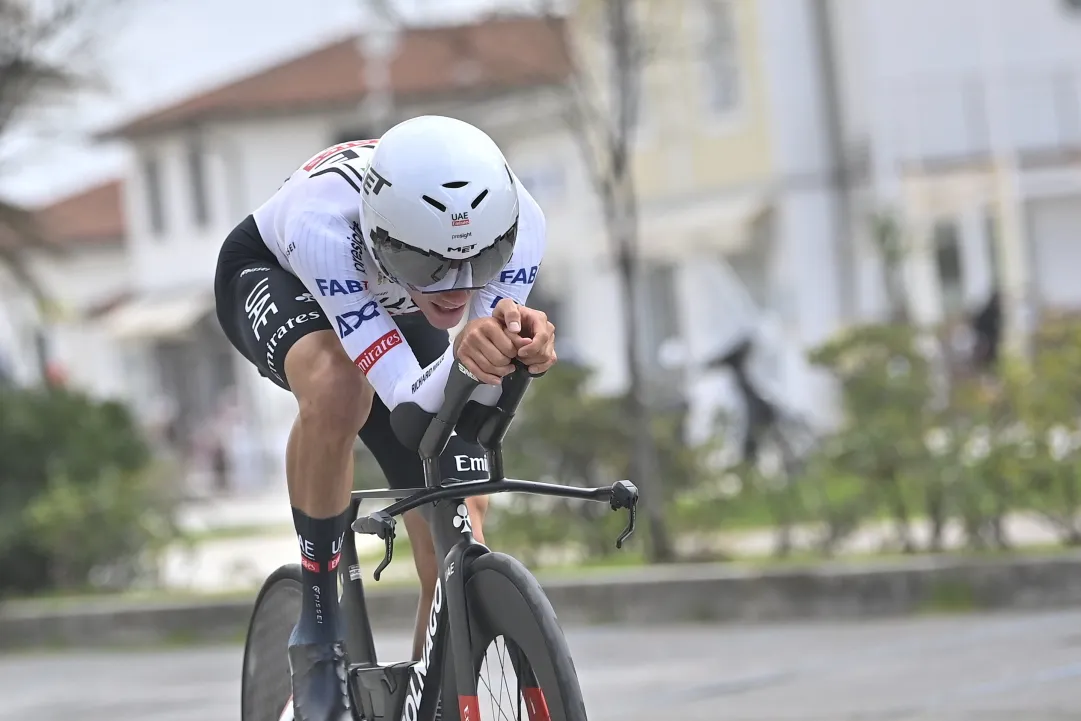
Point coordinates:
[(341, 288)]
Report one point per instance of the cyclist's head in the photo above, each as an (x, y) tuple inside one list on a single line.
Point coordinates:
[(439, 206)]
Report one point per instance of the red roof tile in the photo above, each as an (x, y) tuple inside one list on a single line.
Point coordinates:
[(95, 215), (92, 217), (497, 54)]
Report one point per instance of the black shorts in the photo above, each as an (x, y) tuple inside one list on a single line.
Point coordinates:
[(264, 309)]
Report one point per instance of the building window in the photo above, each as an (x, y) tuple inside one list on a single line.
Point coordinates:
[(154, 198), (720, 56), (660, 339), (948, 262), (197, 176), (661, 306)]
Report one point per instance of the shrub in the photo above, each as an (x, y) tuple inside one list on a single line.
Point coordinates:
[(78, 504)]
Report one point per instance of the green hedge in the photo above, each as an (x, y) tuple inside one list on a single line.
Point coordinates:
[(927, 438), (79, 506)]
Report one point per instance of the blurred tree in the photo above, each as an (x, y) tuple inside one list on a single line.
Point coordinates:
[(580, 442), (42, 63), (611, 153), (888, 239), (29, 76), (76, 501), (1046, 395), (887, 393)]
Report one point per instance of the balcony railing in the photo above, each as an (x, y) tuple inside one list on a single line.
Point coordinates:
[(965, 118)]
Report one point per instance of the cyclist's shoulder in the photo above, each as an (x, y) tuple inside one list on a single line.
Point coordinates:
[(348, 160), (306, 207), (330, 179), (529, 209), (532, 227)]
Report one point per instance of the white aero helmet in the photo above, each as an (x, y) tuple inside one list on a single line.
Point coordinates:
[(440, 207)]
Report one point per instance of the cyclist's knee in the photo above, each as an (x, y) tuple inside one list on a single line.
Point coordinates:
[(478, 509), (331, 392), (420, 538)]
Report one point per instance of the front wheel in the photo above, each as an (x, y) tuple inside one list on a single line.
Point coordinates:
[(514, 629), (265, 686)]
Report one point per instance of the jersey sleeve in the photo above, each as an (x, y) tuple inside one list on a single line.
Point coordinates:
[(517, 277), (327, 257)]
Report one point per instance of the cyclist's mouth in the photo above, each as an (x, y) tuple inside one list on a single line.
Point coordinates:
[(446, 312), (448, 306)]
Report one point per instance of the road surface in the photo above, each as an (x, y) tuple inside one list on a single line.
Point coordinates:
[(997, 668)]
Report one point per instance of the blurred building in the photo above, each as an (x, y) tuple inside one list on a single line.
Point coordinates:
[(962, 119), (83, 272), (965, 117)]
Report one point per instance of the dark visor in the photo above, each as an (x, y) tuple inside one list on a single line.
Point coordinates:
[(424, 269)]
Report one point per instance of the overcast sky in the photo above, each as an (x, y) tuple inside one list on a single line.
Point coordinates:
[(156, 51)]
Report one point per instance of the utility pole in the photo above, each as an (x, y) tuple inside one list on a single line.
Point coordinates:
[(377, 44)]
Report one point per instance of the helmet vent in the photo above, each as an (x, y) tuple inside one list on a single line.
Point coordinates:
[(456, 184), (434, 203), (476, 200)]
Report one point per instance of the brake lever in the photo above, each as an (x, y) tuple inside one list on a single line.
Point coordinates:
[(387, 557), (382, 525), (625, 495)]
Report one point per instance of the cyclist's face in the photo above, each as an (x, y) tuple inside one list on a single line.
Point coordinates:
[(443, 310)]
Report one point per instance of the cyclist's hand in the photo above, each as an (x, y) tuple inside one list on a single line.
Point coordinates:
[(540, 353), (487, 349)]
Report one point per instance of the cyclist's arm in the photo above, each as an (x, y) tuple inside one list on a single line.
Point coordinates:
[(324, 262)]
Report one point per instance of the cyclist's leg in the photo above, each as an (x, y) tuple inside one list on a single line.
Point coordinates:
[(297, 349), (402, 468), (271, 319)]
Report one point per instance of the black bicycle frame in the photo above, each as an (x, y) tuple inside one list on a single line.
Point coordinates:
[(442, 503)]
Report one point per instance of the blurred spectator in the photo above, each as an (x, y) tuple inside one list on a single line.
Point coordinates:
[(987, 324), (56, 375)]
